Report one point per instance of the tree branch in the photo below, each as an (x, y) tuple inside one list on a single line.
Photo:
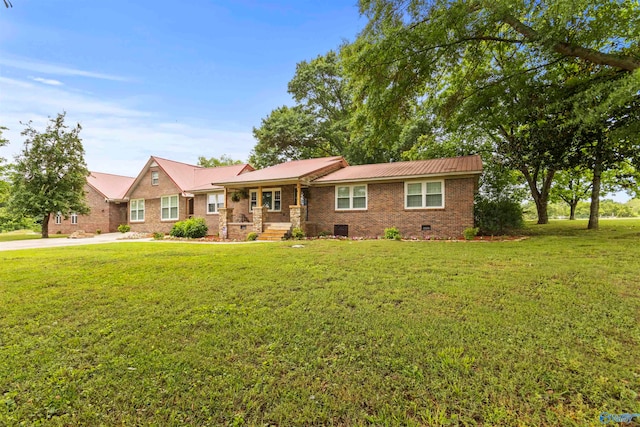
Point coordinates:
[(571, 50)]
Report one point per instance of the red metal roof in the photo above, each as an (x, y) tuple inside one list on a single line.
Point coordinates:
[(110, 186), (293, 170), (182, 174), (204, 177), (445, 166), (191, 177)]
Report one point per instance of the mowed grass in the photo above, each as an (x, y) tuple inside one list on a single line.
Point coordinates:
[(25, 235), (543, 331)]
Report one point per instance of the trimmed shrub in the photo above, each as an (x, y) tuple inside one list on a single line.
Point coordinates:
[(158, 236), (297, 233), (392, 233), (497, 216), (124, 228), (193, 228), (470, 233), (98, 231), (252, 236)]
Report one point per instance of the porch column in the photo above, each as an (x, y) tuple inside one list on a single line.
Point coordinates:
[(299, 194), (225, 216), (224, 202), (297, 216), (258, 217), (259, 197)]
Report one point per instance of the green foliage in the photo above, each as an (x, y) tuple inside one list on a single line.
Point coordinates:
[(158, 236), (214, 162), (124, 228), (497, 216), (190, 334), (3, 142), (192, 228), (298, 234), (540, 79), (98, 231), (319, 124), (252, 236), (50, 173), (470, 232), (392, 233)]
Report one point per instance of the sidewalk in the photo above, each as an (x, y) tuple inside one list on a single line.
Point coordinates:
[(60, 242)]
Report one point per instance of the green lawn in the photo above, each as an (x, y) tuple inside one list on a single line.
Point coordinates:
[(25, 235), (543, 331)]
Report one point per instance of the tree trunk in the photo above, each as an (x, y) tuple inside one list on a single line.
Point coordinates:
[(572, 209), (541, 206), (45, 226), (594, 209), (540, 197)]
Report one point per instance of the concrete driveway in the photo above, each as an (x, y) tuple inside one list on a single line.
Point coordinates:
[(58, 242)]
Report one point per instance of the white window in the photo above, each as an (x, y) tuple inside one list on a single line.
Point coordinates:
[(215, 201), (271, 199), (74, 218), (169, 208), (58, 218), (424, 194), (351, 197), (154, 178), (136, 208)]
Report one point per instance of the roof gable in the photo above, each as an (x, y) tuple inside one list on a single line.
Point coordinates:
[(188, 177)]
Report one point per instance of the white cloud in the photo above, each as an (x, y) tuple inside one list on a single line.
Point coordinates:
[(50, 82), (59, 70), (118, 135)]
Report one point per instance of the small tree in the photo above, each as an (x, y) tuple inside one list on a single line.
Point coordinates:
[(50, 173)]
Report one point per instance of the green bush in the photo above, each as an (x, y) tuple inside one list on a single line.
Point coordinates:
[(392, 233), (193, 228), (497, 216), (470, 232), (297, 233), (252, 236), (98, 231), (158, 236), (124, 228)]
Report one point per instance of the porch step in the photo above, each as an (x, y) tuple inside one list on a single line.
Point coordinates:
[(275, 231)]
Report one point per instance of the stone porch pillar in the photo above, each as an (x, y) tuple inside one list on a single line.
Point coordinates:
[(258, 218), (225, 216), (297, 216)]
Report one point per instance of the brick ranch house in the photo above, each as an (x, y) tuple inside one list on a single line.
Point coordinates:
[(426, 198), (106, 199)]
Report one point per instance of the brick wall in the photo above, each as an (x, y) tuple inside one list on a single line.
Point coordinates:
[(385, 208), (99, 217), (152, 195)]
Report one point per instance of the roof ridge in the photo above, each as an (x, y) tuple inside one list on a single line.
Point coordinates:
[(175, 161), (112, 174)]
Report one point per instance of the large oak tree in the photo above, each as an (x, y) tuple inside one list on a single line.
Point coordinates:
[(500, 56)]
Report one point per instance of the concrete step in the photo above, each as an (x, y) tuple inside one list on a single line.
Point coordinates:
[(275, 231), (277, 226)]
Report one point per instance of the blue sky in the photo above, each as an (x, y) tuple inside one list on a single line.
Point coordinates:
[(176, 79)]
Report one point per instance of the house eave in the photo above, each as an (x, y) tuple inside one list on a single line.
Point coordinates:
[(399, 178)]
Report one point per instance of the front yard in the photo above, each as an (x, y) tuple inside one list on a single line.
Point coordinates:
[(543, 331)]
